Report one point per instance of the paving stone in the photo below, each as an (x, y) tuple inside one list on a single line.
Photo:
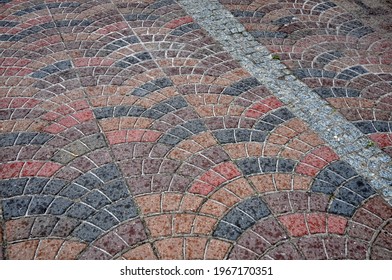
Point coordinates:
[(227, 231), (39, 205), (43, 226), (80, 211), (12, 187), (15, 207), (124, 209), (249, 166), (87, 232), (340, 207)]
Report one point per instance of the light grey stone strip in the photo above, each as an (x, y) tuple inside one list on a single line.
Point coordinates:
[(348, 142)]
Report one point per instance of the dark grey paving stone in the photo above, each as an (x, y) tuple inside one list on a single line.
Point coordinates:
[(258, 136), (365, 126), (15, 207), (87, 232), (168, 139), (12, 187), (115, 190), (249, 166), (80, 211), (195, 126), (239, 219), (243, 135), (341, 208), (64, 227), (225, 136), (332, 178), (104, 112), (268, 164), (25, 138), (107, 172), (73, 191), (227, 231), (323, 187), (95, 141), (59, 206), (177, 102), (89, 181), (360, 186), (39, 205), (180, 132), (103, 220), (8, 139), (254, 207), (54, 186), (349, 196), (96, 199), (343, 169), (286, 165), (124, 209), (43, 226)]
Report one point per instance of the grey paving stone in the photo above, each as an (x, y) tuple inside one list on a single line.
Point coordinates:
[(87, 232), (103, 220), (54, 186), (25, 138), (124, 209), (64, 227), (104, 112), (15, 207), (225, 136), (195, 126), (89, 181), (243, 135), (254, 207), (343, 169), (43, 226), (239, 219), (323, 187), (96, 199), (349, 196), (227, 231), (168, 139), (360, 186), (8, 139), (80, 211), (115, 190), (258, 136), (268, 164), (249, 166), (286, 165), (341, 208), (107, 172), (59, 206), (12, 187), (73, 191), (180, 132), (36, 185), (177, 102)]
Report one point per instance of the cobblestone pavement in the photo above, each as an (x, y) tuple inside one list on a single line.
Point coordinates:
[(194, 130)]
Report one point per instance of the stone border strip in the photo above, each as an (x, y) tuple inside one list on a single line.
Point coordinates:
[(347, 140)]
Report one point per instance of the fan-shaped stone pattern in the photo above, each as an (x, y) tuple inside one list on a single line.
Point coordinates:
[(348, 188), (252, 166), (99, 198), (240, 218), (155, 112)]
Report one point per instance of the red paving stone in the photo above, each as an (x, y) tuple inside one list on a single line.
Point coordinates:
[(141, 139)]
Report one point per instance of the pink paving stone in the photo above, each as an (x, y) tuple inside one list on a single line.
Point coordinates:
[(111, 243), (201, 188), (31, 168), (306, 169), (178, 22), (336, 224), (253, 114), (295, 223), (228, 170), (272, 102), (50, 116), (326, 153), (80, 62), (151, 136), (49, 169), (10, 170), (212, 178), (54, 128), (314, 161), (116, 137), (316, 223), (382, 139), (134, 135), (84, 116), (79, 105), (68, 121)]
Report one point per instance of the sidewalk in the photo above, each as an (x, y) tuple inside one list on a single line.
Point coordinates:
[(194, 130)]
